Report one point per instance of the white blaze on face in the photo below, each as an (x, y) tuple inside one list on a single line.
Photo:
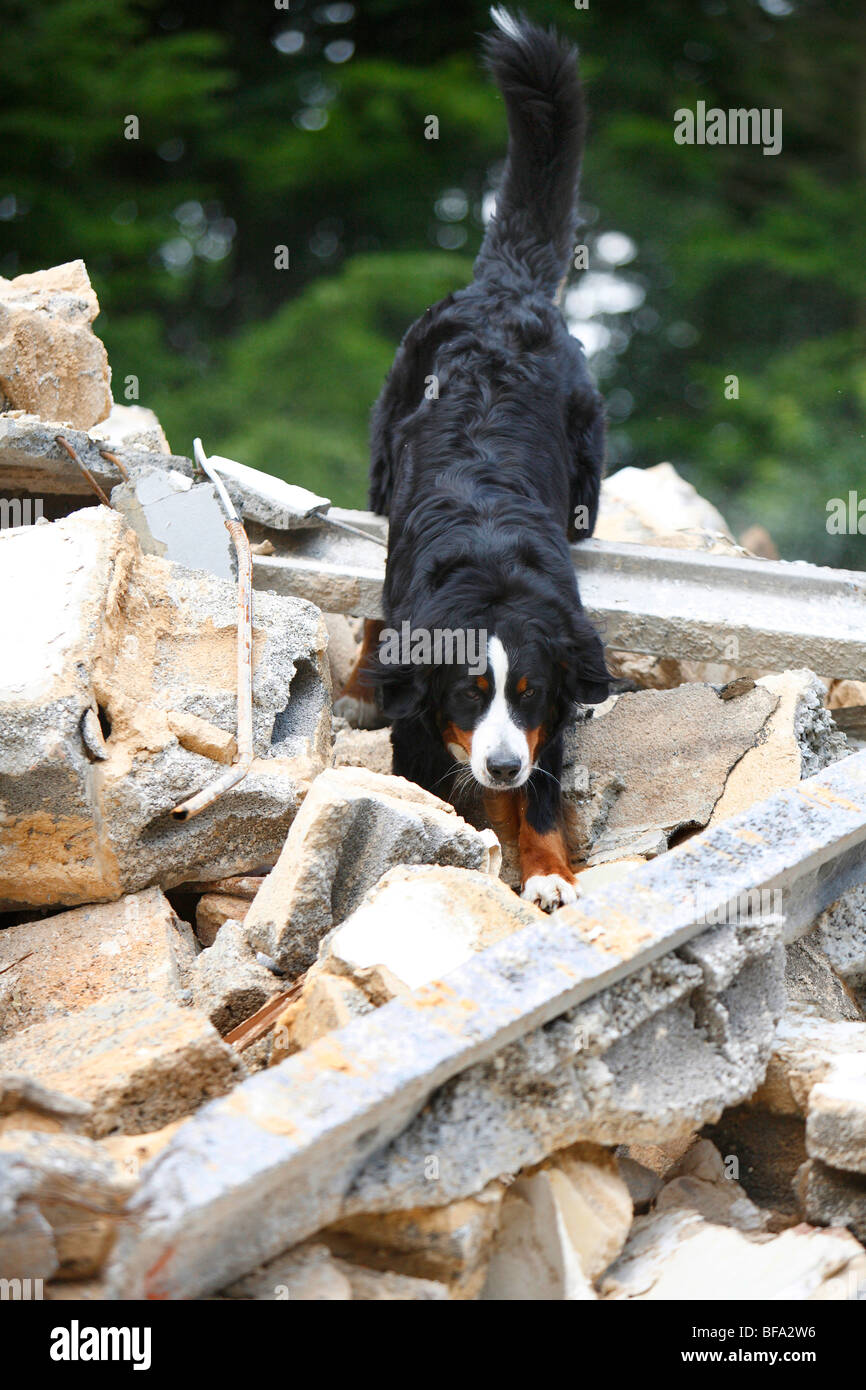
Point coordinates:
[(497, 738)]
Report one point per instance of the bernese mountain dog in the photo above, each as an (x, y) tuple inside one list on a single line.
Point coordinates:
[(487, 456)]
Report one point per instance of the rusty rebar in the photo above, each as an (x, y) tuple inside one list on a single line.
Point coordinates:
[(64, 444)]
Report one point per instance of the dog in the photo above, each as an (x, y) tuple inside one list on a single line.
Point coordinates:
[(487, 456)]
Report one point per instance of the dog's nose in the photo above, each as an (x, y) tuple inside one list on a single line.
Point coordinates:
[(503, 767)]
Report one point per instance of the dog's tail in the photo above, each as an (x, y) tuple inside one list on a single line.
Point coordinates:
[(533, 226)]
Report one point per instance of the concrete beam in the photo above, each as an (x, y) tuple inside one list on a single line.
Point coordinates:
[(268, 1165), (680, 603)]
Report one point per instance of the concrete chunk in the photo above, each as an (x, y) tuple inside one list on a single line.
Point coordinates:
[(51, 362), (138, 1060), (228, 982), (353, 827), (72, 960)]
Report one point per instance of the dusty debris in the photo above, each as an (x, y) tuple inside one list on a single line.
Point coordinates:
[(177, 519), (353, 827), (134, 638), (138, 1060), (679, 1255), (77, 958), (51, 362)]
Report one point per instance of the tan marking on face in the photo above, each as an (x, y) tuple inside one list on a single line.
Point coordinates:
[(483, 683), (458, 742), (534, 740), (521, 685)]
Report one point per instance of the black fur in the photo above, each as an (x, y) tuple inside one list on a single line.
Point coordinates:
[(482, 484)]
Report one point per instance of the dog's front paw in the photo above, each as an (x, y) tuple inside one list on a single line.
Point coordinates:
[(549, 891), (360, 713)]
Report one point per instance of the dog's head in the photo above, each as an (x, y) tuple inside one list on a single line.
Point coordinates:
[(513, 691)]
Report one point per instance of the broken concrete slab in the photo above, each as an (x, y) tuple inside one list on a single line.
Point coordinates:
[(352, 828), (678, 1255), (51, 362), (32, 461), (270, 500), (309, 1273), (73, 959), (138, 1060), (654, 763), (350, 1095), (326, 1002), (133, 639), (177, 519), (228, 983), (807, 1050)]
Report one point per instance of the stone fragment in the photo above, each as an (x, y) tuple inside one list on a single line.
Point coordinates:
[(270, 500), (702, 1183), (369, 748), (199, 736), (806, 1051), (228, 983), (343, 649), (679, 1256), (306, 1274), (832, 1198), (560, 1228), (51, 362), (327, 1002), (60, 1198), (815, 987), (836, 1122), (134, 639), (74, 959), (138, 1060), (353, 827), (128, 427), (213, 910), (25, 1104), (450, 1245), (655, 506), (384, 1286)]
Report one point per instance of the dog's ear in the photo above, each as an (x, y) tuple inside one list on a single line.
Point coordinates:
[(585, 677)]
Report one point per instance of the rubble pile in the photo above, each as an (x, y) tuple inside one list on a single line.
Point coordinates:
[(310, 1043)]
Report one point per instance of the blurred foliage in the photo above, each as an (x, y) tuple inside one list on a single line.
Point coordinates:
[(263, 125)]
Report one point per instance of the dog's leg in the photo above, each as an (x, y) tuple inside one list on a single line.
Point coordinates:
[(357, 700), (545, 873)]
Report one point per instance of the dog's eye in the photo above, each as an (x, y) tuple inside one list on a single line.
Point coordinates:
[(527, 694), (473, 695)]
